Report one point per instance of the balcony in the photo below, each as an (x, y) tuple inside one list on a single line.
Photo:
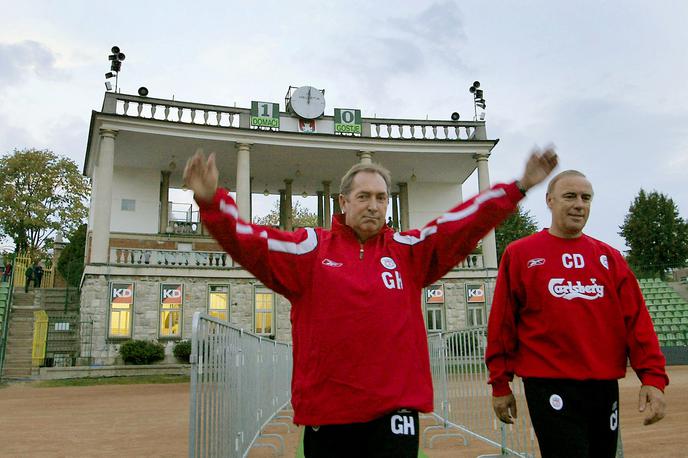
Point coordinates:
[(170, 258)]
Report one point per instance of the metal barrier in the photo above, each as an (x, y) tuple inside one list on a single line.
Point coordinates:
[(239, 382), (463, 399)]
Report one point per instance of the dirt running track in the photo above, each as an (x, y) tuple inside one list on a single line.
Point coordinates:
[(151, 421)]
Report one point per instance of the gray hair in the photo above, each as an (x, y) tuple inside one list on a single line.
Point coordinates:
[(348, 178), (559, 176)]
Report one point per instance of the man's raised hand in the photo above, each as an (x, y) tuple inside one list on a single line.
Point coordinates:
[(201, 176), (540, 164)]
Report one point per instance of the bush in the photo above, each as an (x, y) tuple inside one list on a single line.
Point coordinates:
[(182, 350), (141, 352)]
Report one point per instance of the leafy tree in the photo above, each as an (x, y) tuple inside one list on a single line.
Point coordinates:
[(40, 193), (656, 235), (520, 224), (71, 262), (301, 215)]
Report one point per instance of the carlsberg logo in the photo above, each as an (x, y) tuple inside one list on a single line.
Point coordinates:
[(558, 287)]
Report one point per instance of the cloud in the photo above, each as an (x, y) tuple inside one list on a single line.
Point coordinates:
[(17, 60)]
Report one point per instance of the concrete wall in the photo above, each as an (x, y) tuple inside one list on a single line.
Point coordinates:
[(427, 201), (142, 186)]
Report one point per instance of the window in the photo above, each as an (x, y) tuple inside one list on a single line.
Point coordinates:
[(218, 302), (128, 205), (264, 307), (475, 305), (171, 302), (434, 307), (121, 306)]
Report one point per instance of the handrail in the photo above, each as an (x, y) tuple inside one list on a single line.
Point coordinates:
[(6, 320)]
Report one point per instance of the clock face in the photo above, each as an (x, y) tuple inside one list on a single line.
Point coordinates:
[(308, 102)]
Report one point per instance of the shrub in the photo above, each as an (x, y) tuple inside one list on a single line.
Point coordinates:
[(182, 350), (141, 352)]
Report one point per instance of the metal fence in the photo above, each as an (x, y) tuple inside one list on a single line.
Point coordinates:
[(463, 399), (239, 382)]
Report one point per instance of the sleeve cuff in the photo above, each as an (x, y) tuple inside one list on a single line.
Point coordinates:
[(214, 202), (658, 381), (514, 193), (501, 388)]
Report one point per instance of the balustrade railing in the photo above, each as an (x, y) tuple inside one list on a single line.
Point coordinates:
[(474, 261), (169, 258), (223, 116)]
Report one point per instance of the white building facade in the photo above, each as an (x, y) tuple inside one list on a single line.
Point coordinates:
[(149, 263)]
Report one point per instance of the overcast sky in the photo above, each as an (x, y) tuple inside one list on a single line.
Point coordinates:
[(606, 81)]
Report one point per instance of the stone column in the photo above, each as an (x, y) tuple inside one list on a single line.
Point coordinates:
[(327, 212), (365, 157), (489, 242), (395, 210), (404, 207), (243, 180), (320, 208), (288, 216), (282, 214), (335, 202), (164, 200), (101, 215)]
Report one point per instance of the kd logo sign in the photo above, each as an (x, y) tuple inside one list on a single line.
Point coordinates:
[(171, 294), (121, 292)]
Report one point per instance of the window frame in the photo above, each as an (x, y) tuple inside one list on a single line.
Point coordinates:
[(179, 309), (273, 323), (208, 302), (111, 288)]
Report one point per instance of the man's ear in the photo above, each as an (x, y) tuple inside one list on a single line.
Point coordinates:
[(342, 202), (548, 200)]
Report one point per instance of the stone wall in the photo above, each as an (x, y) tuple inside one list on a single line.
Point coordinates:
[(105, 351)]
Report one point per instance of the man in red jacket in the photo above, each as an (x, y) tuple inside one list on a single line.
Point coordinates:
[(361, 363), (567, 311)]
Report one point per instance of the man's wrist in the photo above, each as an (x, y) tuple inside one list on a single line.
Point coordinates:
[(521, 188)]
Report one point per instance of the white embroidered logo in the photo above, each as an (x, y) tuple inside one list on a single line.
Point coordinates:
[(603, 260), (330, 263), (388, 263), (556, 402), (558, 287), (536, 262)]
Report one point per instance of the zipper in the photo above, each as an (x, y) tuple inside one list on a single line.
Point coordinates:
[(360, 252)]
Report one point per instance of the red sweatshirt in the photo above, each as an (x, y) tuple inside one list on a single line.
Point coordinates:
[(360, 347), (571, 309)]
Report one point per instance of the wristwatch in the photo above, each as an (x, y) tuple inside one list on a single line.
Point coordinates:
[(520, 187)]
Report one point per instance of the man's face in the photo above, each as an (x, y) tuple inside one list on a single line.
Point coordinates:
[(365, 206), (569, 202)]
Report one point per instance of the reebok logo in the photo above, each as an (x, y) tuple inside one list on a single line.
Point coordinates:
[(330, 263), (536, 262), (558, 287)]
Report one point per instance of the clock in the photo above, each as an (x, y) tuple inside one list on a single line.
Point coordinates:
[(308, 102)]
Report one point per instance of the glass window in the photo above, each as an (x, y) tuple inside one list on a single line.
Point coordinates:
[(121, 306), (476, 315), (218, 302), (434, 317), (171, 304), (264, 307), (128, 205)]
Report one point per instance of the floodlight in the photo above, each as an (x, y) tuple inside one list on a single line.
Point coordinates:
[(143, 91), (455, 116)]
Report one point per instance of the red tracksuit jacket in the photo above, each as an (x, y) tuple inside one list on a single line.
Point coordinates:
[(360, 346), (569, 309)]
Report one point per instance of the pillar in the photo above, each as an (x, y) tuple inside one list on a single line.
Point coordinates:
[(365, 157), (320, 208), (404, 207), (101, 215), (243, 181), (288, 216), (489, 242), (327, 212), (395, 210), (282, 214), (164, 200)]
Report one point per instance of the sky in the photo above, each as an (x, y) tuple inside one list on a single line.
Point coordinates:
[(605, 81)]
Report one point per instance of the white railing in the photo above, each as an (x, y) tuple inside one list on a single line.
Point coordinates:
[(232, 117), (169, 258)]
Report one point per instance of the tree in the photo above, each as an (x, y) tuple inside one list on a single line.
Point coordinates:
[(71, 262), (656, 235), (520, 224), (40, 193), (302, 217)]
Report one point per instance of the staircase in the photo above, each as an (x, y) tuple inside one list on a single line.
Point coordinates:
[(20, 337)]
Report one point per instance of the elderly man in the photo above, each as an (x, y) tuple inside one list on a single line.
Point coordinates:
[(567, 311), (361, 364)]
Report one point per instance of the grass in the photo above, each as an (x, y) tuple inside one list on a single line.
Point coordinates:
[(132, 380)]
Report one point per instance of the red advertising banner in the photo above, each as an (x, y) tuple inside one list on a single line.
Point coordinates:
[(434, 294), (171, 293), (122, 293), (475, 293)]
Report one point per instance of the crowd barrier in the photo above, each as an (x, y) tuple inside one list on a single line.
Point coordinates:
[(239, 382), (463, 399)]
